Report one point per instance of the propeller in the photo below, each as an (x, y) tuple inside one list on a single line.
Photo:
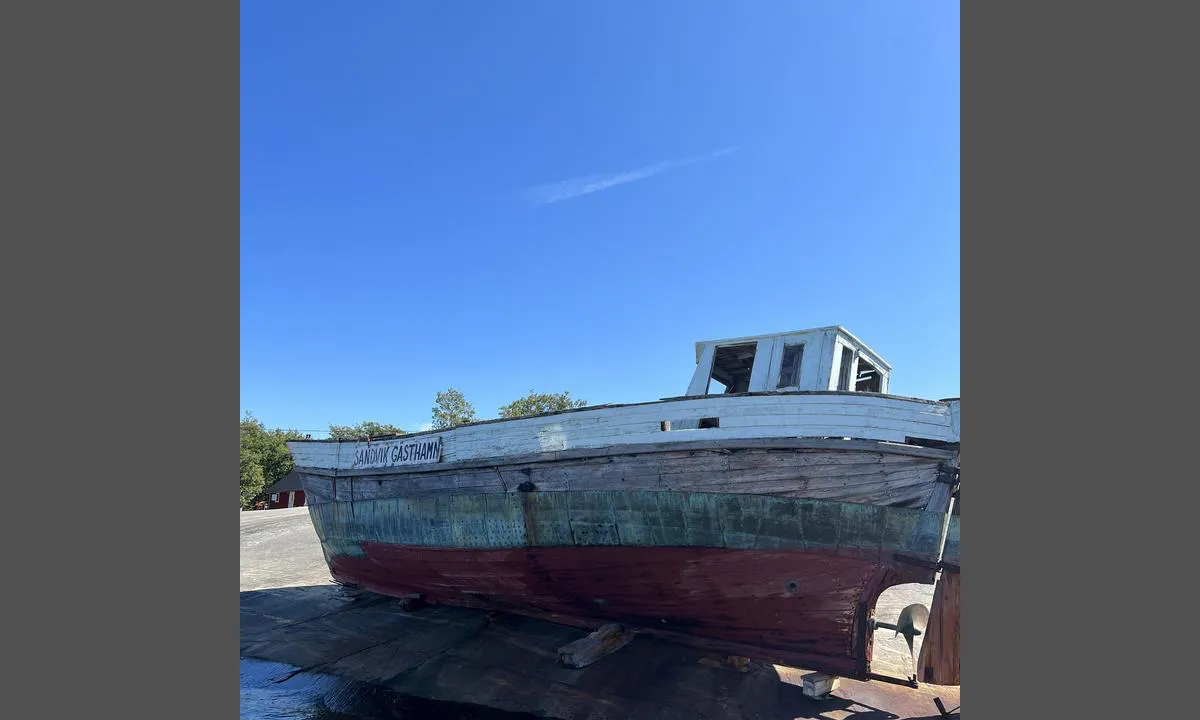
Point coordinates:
[(911, 623)]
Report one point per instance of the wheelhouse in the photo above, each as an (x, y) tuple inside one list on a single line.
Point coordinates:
[(828, 358)]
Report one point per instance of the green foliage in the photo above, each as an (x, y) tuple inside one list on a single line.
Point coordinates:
[(264, 458), (536, 403), (365, 429), (253, 483), (452, 409)]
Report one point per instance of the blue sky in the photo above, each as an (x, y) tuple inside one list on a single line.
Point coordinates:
[(500, 196)]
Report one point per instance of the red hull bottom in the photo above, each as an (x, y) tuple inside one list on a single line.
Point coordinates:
[(804, 608)]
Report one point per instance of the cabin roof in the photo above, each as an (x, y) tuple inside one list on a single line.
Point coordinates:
[(291, 481), (828, 328)]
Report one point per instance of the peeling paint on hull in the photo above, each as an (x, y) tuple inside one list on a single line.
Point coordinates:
[(786, 580), (795, 607), (632, 518)]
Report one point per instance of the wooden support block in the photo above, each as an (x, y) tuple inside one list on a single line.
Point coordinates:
[(411, 603), (939, 651), (818, 685), (587, 650)]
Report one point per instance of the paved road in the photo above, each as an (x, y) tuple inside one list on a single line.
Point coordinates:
[(280, 549)]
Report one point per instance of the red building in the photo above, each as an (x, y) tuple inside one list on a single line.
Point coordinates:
[(286, 493)]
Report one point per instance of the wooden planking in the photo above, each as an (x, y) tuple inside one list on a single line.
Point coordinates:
[(760, 378), (703, 370), (624, 472), (611, 451), (939, 660), (508, 662), (791, 444), (770, 378), (784, 606), (910, 487), (951, 550), (857, 476), (765, 372), (498, 447), (777, 422), (870, 417), (635, 518), (809, 405)]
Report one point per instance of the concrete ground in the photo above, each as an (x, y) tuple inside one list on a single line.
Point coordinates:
[(280, 549), (293, 613)]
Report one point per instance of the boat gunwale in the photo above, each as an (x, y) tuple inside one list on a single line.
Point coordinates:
[(609, 406), (828, 445)]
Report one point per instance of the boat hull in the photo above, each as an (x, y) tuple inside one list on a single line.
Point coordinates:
[(761, 523), (786, 580), (843, 470), (804, 608)]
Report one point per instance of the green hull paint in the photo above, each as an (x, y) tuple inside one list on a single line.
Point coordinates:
[(951, 553), (629, 518)]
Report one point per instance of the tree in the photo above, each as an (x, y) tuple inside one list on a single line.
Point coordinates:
[(253, 482), (537, 403), (365, 429), (452, 409), (264, 458)]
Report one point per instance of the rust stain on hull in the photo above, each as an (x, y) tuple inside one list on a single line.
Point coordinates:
[(806, 608)]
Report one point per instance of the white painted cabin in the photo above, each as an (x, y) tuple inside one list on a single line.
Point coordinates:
[(819, 383), (827, 358)]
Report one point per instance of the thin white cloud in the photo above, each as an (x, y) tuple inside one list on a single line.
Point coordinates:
[(425, 426), (562, 190)]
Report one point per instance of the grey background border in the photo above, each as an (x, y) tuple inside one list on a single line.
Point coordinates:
[(121, 284), (1068, 157)]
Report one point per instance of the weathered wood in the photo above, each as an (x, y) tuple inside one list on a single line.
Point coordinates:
[(704, 361), (794, 607), (759, 378), (770, 415), (755, 523), (939, 499), (509, 663), (821, 359), (744, 574), (857, 476), (411, 603), (675, 446), (596, 645), (951, 550), (632, 518), (939, 660), (818, 685)]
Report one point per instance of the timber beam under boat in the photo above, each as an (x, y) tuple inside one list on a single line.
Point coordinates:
[(510, 663)]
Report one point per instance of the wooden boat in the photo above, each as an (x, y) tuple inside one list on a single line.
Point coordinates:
[(760, 514)]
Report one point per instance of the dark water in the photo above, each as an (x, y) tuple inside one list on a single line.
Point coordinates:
[(271, 692)]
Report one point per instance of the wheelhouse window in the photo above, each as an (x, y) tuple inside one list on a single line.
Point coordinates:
[(847, 362), (789, 370), (869, 378), (731, 369)]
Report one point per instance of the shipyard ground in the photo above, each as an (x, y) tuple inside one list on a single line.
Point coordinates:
[(311, 648)]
